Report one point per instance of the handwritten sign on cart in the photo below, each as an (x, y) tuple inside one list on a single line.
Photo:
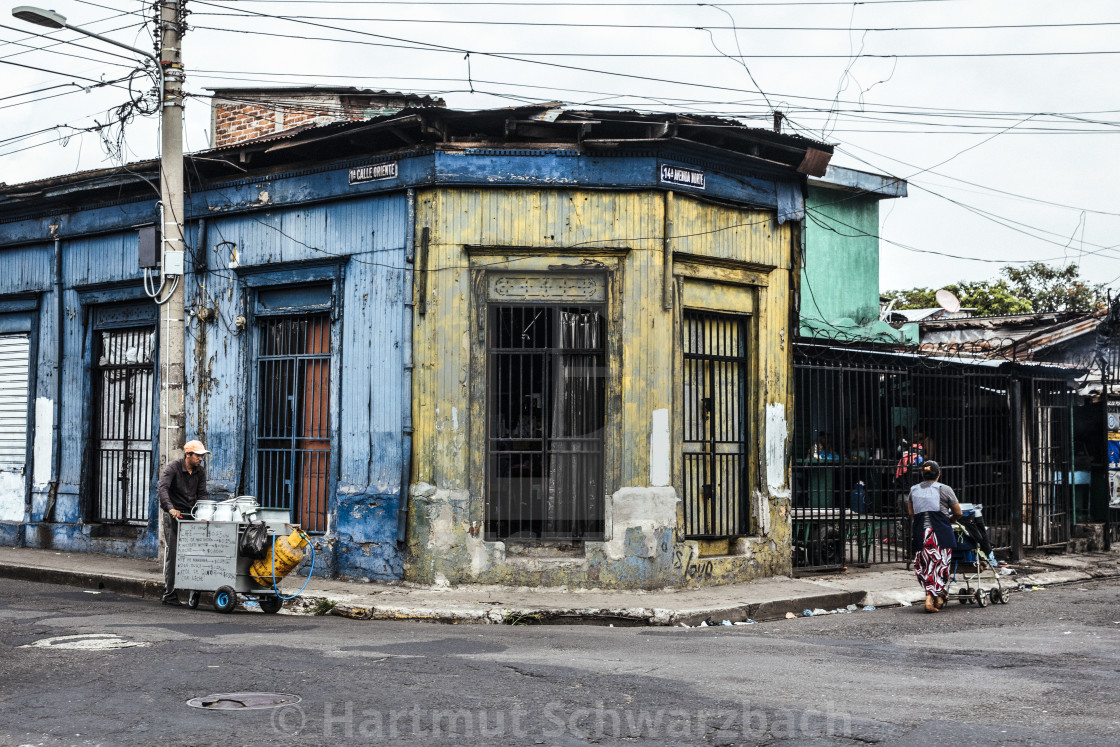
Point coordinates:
[(206, 556)]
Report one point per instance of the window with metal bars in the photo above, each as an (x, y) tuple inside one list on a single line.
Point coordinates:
[(715, 426), (123, 383), (293, 428), (545, 419)]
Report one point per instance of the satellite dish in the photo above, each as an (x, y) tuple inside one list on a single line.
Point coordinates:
[(947, 301)]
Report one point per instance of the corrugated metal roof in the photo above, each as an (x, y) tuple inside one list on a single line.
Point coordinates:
[(545, 126)]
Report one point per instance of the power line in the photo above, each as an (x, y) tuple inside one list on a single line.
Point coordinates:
[(868, 109), (677, 27), (46, 49), (592, 4), (982, 186), (45, 70), (516, 55), (904, 126)]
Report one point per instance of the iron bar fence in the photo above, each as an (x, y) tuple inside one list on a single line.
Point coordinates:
[(867, 415)]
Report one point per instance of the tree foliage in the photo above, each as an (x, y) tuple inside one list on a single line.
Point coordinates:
[(1036, 287)]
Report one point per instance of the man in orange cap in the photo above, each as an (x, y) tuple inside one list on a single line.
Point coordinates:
[(181, 484)]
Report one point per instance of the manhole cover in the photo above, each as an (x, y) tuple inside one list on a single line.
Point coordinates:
[(243, 701), (86, 642)]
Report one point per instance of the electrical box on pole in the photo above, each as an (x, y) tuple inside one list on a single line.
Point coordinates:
[(149, 247)]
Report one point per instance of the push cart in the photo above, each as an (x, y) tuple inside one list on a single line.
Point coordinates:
[(207, 559)]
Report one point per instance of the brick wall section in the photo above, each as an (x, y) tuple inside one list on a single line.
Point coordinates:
[(238, 122), (254, 113)]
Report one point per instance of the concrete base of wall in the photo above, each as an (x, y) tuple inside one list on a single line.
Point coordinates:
[(1086, 538), (132, 542), (643, 549)]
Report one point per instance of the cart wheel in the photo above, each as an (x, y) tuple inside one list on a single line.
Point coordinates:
[(270, 604), (225, 599), (981, 598), (192, 600), (1004, 596)]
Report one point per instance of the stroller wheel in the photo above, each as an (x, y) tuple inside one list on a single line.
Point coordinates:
[(1004, 596), (996, 596), (963, 596), (981, 598)]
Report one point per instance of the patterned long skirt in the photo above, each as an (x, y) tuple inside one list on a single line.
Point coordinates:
[(932, 563)]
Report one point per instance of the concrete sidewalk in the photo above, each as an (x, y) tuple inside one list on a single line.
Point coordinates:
[(765, 599)]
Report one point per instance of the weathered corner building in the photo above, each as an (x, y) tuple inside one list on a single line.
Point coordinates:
[(525, 346)]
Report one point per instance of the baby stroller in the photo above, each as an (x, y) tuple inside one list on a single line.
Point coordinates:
[(973, 561)]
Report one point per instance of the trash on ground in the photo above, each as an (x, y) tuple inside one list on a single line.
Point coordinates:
[(904, 603), (869, 608), (806, 613), (790, 615), (852, 608), (725, 622)]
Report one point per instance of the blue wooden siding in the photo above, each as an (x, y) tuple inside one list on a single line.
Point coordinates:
[(364, 238)]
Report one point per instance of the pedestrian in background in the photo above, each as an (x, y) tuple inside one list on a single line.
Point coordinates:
[(181, 484), (931, 503)]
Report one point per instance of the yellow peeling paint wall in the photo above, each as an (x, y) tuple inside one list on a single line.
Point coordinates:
[(739, 253)]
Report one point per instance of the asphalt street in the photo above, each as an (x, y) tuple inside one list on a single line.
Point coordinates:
[(1042, 669)]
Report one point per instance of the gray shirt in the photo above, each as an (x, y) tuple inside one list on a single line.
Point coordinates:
[(930, 495), (181, 489)]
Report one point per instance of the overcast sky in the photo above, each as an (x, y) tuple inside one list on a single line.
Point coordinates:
[(1010, 155)]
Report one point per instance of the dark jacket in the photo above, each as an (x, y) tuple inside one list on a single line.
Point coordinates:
[(180, 489)]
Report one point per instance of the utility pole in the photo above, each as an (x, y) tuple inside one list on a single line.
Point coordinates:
[(172, 345), (172, 329)]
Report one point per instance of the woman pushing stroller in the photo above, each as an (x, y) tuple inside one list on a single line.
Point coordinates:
[(931, 503)]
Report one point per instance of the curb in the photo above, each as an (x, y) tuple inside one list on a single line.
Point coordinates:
[(776, 609), (135, 587), (619, 617)]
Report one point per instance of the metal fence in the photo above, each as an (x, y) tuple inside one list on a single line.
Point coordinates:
[(864, 421), (715, 433), (123, 378), (293, 441), (545, 416), (1047, 469)]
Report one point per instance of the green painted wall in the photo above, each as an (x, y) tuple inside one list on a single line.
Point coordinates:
[(840, 279)]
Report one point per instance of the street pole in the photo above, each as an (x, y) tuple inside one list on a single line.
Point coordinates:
[(172, 346)]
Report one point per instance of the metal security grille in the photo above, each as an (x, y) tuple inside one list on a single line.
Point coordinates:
[(715, 433), (545, 415), (1048, 462), (123, 378), (14, 361), (293, 441), (864, 421)]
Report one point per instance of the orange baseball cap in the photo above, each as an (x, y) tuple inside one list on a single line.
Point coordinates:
[(194, 447)]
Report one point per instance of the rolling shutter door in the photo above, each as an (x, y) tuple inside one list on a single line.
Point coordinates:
[(14, 364)]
